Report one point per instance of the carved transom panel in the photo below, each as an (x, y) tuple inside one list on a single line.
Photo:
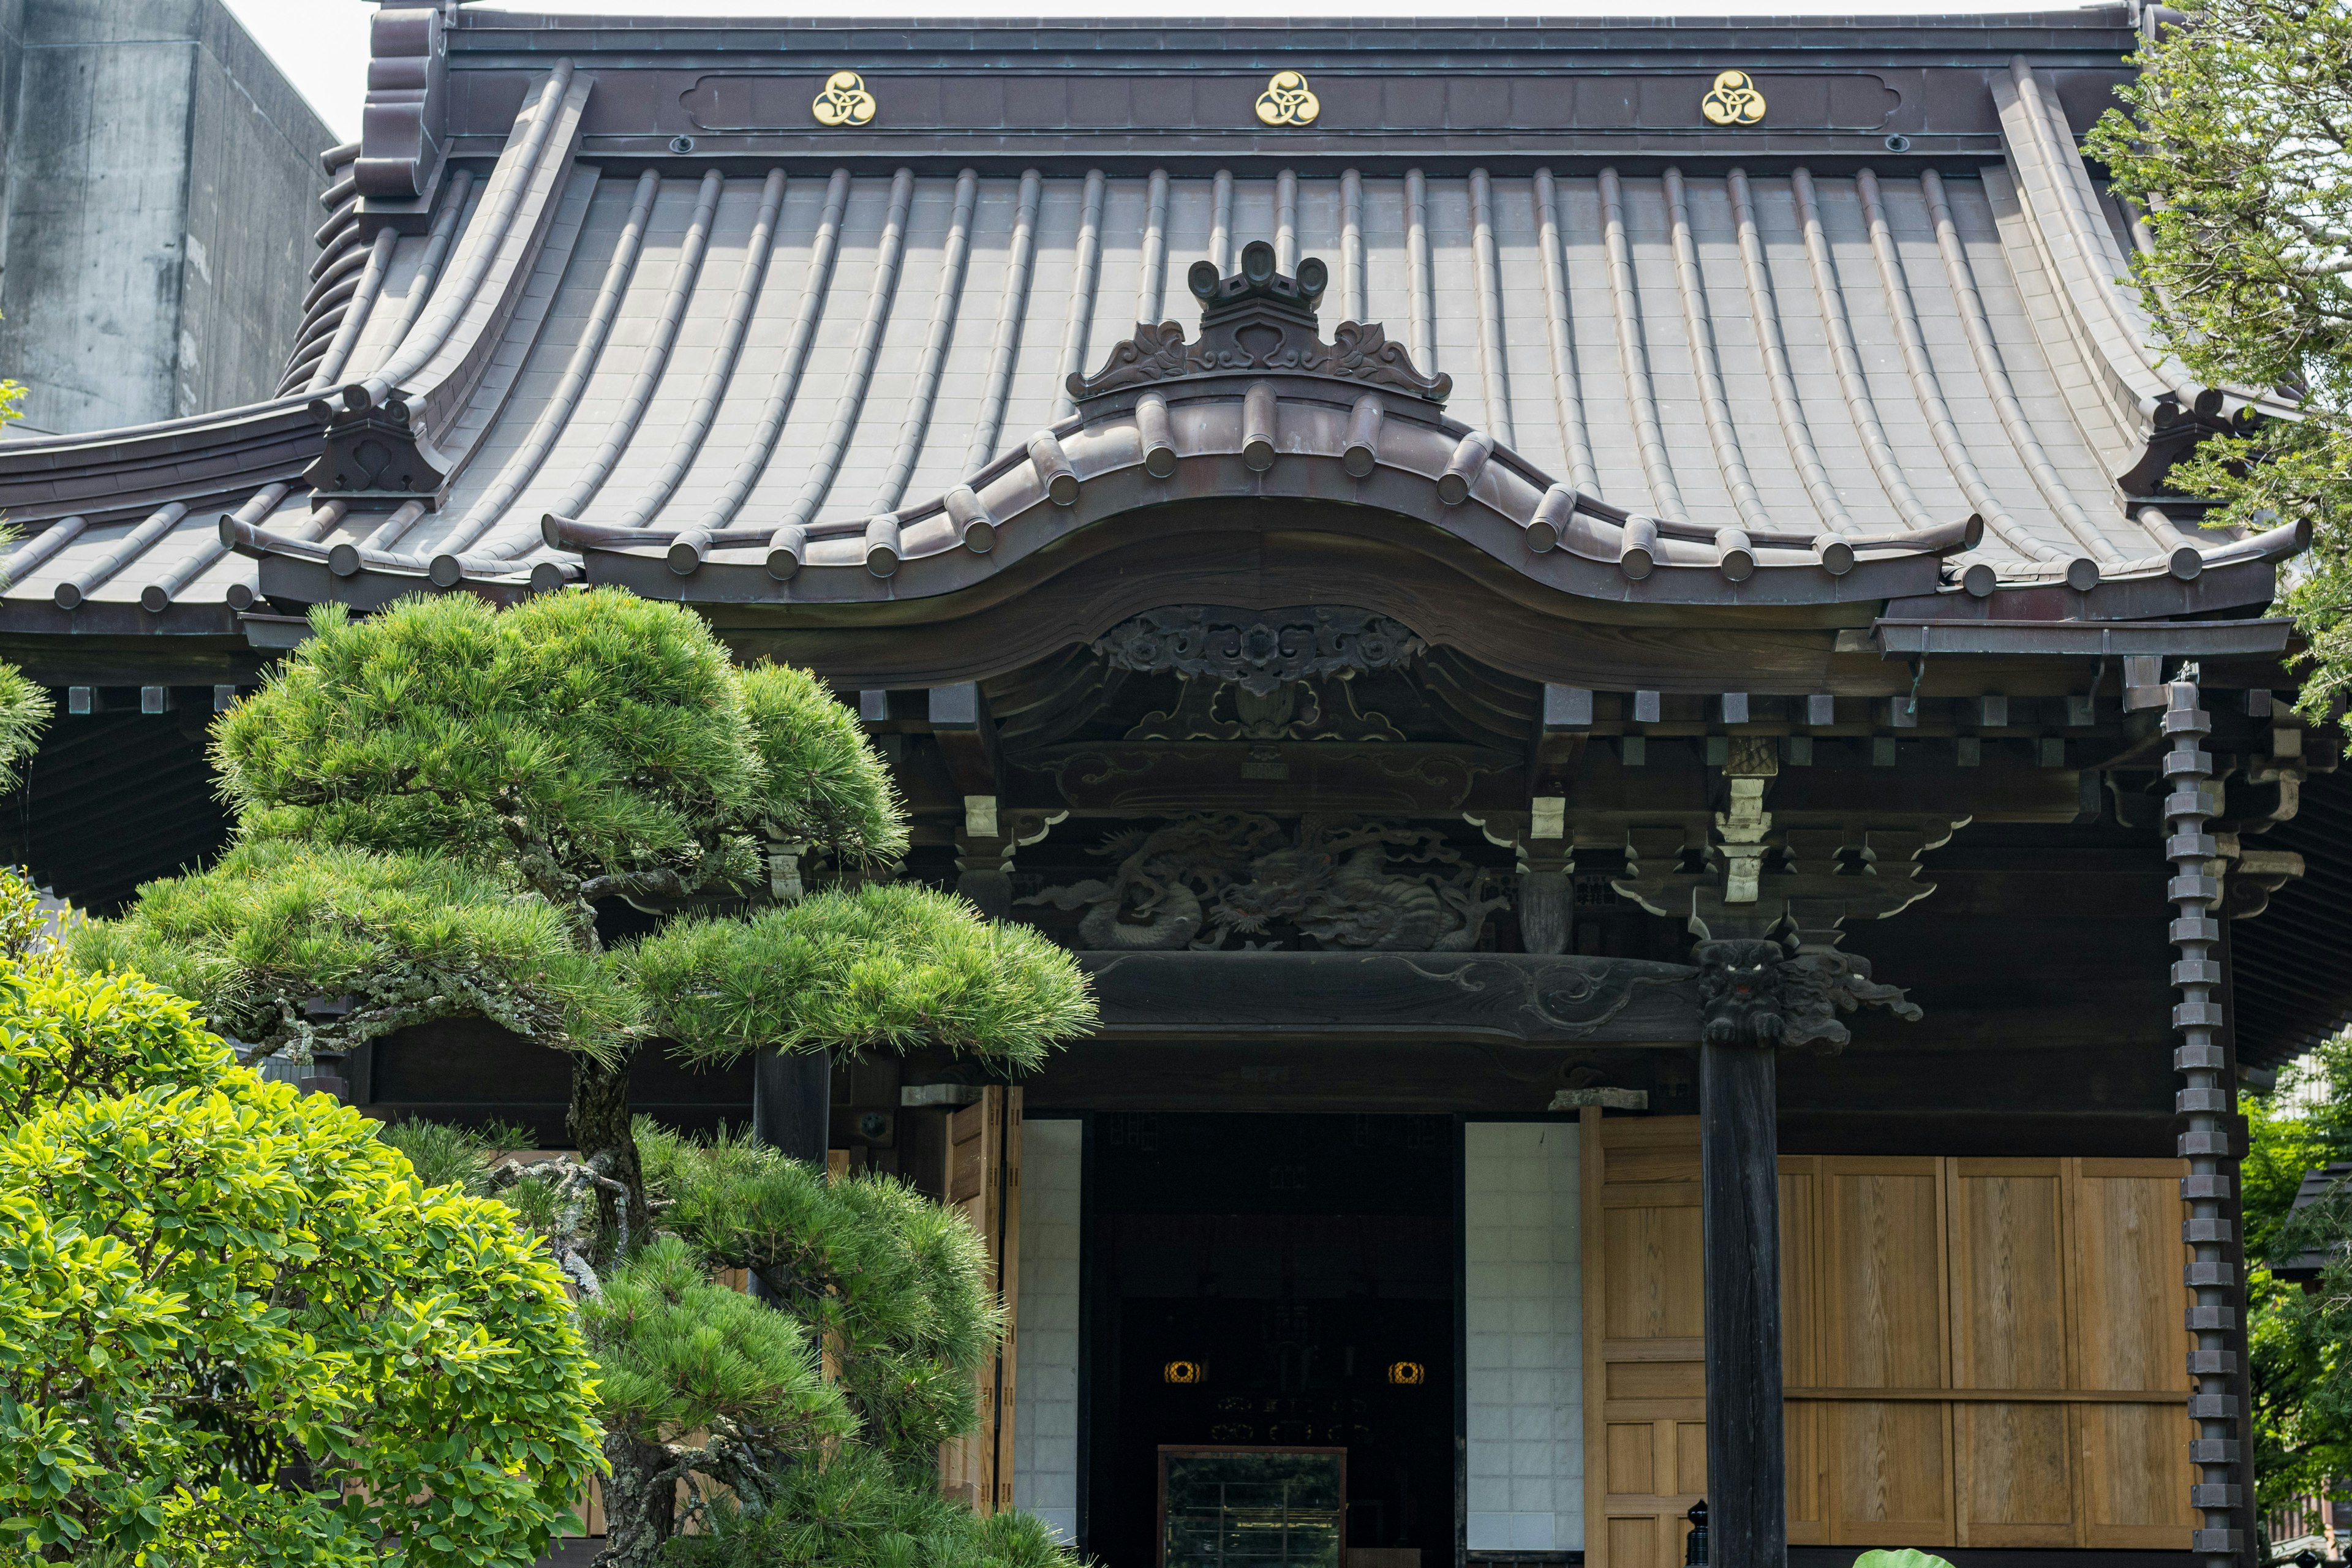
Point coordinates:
[(1259, 650), (1205, 879)]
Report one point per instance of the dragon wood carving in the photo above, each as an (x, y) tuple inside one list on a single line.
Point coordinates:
[(1201, 881)]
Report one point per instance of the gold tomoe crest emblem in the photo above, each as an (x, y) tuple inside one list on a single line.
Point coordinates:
[(844, 102), (1734, 99), (1287, 101)]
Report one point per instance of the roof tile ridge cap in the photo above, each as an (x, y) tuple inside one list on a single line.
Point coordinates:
[(1493, 364), (480, 245), (720, 376), (1633, 350), (1567, 389), (914, 430), (1961, 278), (120, 435), (2059, 319), (784, 385), (1837, 326), (2079, 203), (1012, 320), (1926, 388), (555, 413), (1698, 326), (653, 362), (1764, 304), (850, 405), (2092, 295), (459, 365)]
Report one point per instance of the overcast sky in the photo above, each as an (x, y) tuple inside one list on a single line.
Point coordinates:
[(323, 44)]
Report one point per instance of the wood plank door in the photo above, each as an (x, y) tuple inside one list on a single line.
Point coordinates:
[(1883, 1349), (1645, 1353), (984, 1184), (2014, 1472), (2130, 1343)]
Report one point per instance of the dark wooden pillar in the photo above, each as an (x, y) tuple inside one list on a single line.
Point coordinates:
[(792, 1103), (1747, 1464)]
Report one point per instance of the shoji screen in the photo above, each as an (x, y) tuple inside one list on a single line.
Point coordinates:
[(1524, 1329), (1046, 1401)]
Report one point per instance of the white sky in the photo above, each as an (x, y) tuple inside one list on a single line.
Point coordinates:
[(323, 45)]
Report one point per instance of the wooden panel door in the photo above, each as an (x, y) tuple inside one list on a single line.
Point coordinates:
[(1885, 1330), (2013, 1476), (984, 1184), (2128, 1337), (1803, 1421), (1645, 1373)]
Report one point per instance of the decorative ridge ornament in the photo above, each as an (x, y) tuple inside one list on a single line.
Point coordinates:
[(1734, 99), (1257, 321), (1288, 101), (844, 102)]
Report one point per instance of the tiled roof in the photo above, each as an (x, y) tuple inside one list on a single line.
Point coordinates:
[(710, 360)]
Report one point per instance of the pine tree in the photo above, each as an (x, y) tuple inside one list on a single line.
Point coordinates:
[(435, 802)]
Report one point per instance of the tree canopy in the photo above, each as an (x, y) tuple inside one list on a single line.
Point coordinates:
[(234, 1326), (2235, 146), (2299, 1343), (434, 802), (822, 1420)]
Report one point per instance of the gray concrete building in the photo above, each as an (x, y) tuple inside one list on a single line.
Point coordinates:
[(162, 185)]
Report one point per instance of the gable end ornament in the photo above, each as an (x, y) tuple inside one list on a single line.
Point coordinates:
[(1260, 320)]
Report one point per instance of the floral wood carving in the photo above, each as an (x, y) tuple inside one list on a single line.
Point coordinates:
[(1201, 881), (1256, 321), (1259, 650)]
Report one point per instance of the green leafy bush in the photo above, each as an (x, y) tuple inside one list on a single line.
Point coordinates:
[(234, 1327)]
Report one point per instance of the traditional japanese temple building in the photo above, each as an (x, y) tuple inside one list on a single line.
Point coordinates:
[(1683, 840)]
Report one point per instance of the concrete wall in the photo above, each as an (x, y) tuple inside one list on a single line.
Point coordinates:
[(162, 188)]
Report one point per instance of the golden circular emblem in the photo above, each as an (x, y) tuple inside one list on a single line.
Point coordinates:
[(1180, 1371), (1287, 101), (844, 102), (1408, 1373), (1734, 99)]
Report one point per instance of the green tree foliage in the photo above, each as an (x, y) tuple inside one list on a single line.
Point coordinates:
[(2235, 145), (707, 1385), (2299, 1343), (856, 1512), (234, 1327), (885, 966), (390, 939), (434, 802)]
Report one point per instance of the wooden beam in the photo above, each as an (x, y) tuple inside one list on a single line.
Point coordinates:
[(792, 1109), (1524, 997), (1739, 1182)]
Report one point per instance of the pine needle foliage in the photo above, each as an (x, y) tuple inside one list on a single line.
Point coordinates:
[(855, 1512), (394, 940), (573, 736), (895, 1286), (24, 710), (234, 1327), (825, 784), (444, 1154), (889, 966), (2234, 141)]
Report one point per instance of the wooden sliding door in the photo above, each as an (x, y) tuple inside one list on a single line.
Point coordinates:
[(1976, 1352)]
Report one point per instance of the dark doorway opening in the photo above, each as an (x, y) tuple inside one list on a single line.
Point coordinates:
[(1286, 1282)]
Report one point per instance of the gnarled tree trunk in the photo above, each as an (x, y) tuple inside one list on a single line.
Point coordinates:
[(640, 1503), (598, 1121)]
